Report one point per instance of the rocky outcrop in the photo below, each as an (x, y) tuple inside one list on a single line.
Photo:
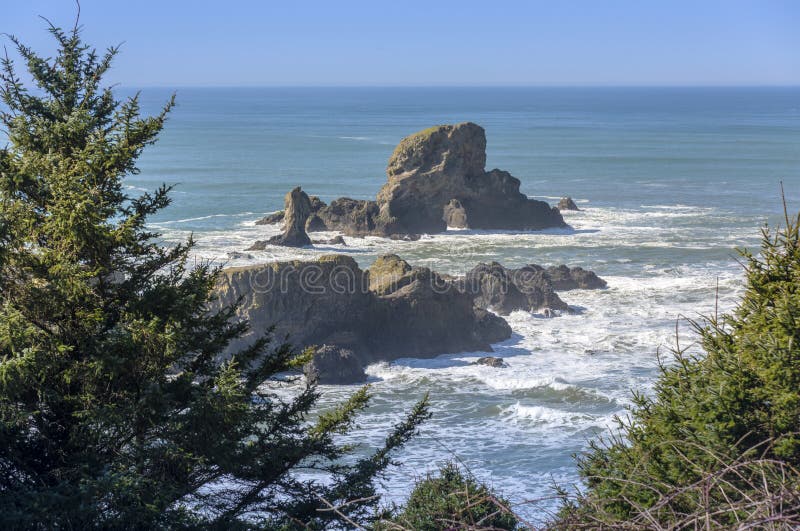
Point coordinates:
[(506, 290), (567, 203), (565, 278), (455, 215), (436, 178), (391, 310), (431, 168), (272, 219), (389, 273), (336, 240), (297, 209), (330, 302), (277, 217), (430, 315), (530, 288), (491, 361), (334, 365)]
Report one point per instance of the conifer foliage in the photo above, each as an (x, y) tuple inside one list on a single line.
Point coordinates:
[(114, 412), (718, 445)]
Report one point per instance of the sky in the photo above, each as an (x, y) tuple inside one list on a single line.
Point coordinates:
[(429, 43)]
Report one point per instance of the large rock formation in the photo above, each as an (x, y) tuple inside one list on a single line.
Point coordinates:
[(506, 290), (297, 209), (391, 310), (530, 288), (437, 178), (329, 302)]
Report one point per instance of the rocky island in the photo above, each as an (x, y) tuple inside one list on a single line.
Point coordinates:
[(391, 310), (435, 178)]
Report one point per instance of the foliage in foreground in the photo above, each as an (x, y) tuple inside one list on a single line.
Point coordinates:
[(114, 410), (718, 446), (452, 500)]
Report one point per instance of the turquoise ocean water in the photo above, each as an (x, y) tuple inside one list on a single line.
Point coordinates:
[(670, 180)]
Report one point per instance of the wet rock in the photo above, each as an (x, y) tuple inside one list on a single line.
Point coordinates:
[(337, 240), (405, 237), (278, 217), (491, 361), (455, 215), (236, 255), (333, 365), (565, 278), (567, 203), (506, 290), (271, 219), (259, 245)]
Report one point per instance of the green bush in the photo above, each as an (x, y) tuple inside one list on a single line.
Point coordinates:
[(452, 500), (719, 442)]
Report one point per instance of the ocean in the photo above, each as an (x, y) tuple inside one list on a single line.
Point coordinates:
[(670, 182)]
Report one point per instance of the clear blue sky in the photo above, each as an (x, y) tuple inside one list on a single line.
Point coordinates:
[(432, 42)]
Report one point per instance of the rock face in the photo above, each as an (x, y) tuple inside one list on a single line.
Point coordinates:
[(565, 278), (431, 168), (455, 215), (391, 310), (567, 203), (506, 290), (334, 365), (329, 302), (530, 288), (297, 209), (437, 178)]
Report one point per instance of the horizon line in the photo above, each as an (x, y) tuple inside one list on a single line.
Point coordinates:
[(458, 86)]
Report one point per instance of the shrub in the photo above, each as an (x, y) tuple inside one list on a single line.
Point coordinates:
[(452, 500), (719, 442)]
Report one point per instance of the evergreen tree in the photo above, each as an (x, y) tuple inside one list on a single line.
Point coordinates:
[(718, 444), (113, 412)]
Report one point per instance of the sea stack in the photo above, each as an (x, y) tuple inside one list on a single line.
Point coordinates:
[(297, 209), (437, 178), (567, 203)]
